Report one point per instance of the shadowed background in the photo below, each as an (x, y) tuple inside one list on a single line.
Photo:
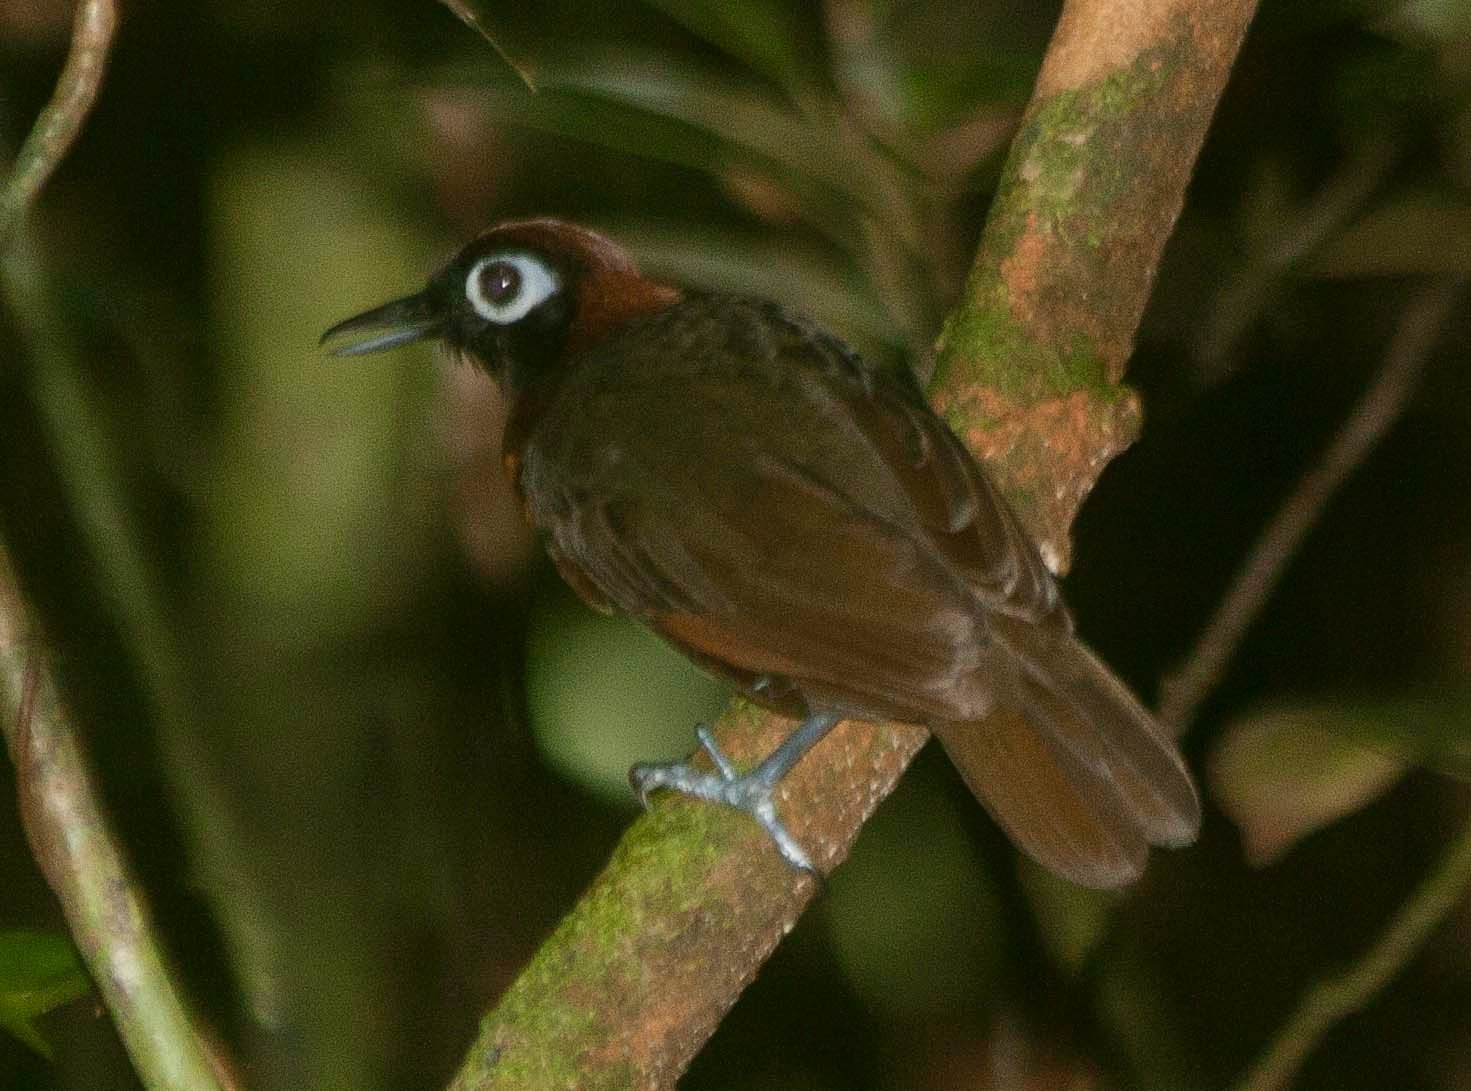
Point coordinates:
[(366, 748)]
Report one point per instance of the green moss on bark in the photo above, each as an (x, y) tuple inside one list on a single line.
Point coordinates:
[(1047, 239)]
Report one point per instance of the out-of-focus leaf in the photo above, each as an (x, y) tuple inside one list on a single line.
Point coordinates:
[(1071, 919), (1439, 22), (761, 33), (918, 71), (605, 693), (913, 916), (1432, 731), (1286, 772), (515, 58), (800, 277), (746, 119), (607, 124), (705, 105), (1419, 232), (38, 971)]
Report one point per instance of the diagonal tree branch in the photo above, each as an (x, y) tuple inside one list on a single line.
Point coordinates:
[(1341, 994), (1371, 417), (639, 974)]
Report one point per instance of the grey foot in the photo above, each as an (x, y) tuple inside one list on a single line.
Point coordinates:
[(754, 793)]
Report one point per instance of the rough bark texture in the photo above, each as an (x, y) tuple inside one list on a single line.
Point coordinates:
[(638, 975), (1029, 365)]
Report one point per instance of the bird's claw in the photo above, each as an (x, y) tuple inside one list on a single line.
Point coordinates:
[(752, 793)]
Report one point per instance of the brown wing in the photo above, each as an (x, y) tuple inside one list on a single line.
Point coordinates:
[(761, 497), (774, 507), (962, 516), (853, 613)]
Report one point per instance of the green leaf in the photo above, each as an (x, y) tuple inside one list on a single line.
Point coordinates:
[(762, 34), (1285, 771), (913, 916), (664, 107), (771, 265), (38, 971), (1417, 232)]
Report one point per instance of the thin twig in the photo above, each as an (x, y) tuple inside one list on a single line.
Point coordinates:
[(1276, 248), (1339, 996), (1378, 409), (61, 120), (66, 825), (60, 808)]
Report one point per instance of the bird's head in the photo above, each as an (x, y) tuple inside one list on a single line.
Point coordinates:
[(515, 301)]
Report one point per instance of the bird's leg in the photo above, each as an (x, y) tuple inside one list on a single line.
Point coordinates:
[(754, 793)]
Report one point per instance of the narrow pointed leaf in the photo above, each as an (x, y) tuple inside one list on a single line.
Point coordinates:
[(38, 971)]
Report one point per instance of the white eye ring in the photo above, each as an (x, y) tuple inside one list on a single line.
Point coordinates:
[(539, 282)]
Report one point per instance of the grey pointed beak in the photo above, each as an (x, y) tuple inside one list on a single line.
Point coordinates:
[(412, 318)]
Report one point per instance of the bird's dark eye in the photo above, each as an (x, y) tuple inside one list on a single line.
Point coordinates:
[(499, 282), (504, 287)]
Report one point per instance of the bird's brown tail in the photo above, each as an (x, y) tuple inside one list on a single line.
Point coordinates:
[(1072, 766)]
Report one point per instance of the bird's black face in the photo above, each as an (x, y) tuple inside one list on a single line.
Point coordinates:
[(506, 305)]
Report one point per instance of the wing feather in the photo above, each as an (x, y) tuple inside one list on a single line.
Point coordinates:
[(857, 555)]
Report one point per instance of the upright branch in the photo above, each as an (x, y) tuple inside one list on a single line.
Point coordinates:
[(80, 856), (639, 974), (59, 803), (1030, 363)]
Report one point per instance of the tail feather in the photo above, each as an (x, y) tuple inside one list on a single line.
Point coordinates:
[(1045, 800), (1134, 753), (1073, 766)]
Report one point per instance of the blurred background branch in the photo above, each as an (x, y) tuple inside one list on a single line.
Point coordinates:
[(1373, 415), (67, 825), (1335, 998), (52, 135), (65, 819)]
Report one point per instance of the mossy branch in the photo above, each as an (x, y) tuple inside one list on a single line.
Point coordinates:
[(639, 974)]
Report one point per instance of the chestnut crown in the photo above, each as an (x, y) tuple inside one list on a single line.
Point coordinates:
[(515, 301)]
